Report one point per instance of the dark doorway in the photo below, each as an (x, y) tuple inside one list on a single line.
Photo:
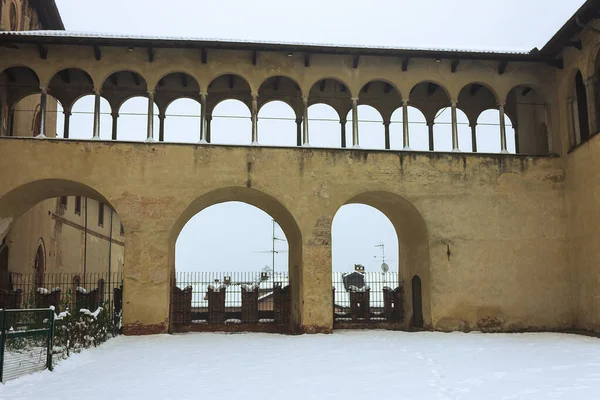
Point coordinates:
[(582, 113), (417, 301), (40, 266)]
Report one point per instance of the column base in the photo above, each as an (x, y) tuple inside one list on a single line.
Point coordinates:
[(504, 152), (254, 144), (202, 141), (96, 138), (41, 136), (150, 140), (306, 145), (407, 148), (457, 150), (356, 147)]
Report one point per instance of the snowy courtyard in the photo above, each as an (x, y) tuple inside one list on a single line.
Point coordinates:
[(345, 365)]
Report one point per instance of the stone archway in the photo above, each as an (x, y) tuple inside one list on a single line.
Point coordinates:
[(413, 245), (269, 205)]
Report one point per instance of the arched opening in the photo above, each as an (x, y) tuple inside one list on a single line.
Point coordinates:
[(67, 86), (488, 133), (231, 123), (27, 117), (365, 268), (334, 93), (18, 83), (326, 130), (384, 98), (81, 124), (232, 275), (581, 130), (387, 300), (417, 301), (417, 130), (277, 124), (178, 97), (442, 133), (63, 239), (370, 127), (227, 121), (474, 99), (526, 108), (281, 110), (119, 88), (133, 120), (182, 121)]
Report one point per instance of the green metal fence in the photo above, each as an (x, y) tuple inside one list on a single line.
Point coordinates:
[(25, 342)]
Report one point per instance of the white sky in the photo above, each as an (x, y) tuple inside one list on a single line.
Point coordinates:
[(226, 237)]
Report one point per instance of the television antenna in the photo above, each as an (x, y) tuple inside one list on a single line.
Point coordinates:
[(273, 251)]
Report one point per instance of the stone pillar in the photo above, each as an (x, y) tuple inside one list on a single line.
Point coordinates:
[(454, 128), (590, 89), (405, 137), (503, 148), (343, 133), (298, 132), (571, 115), (115, 124), (386, 129), (203, 139), (473, 126), (67, 126), (43, 108), (254, 116), (96, 132), (150, 134), (430, 131), (516, 129), (208, 121), (146, 278), (161, 126), (549, 128), (305, 138), (355, 138)]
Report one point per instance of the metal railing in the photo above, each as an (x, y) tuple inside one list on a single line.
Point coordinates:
[(25, 342), (229, 300), (64, 291), (366, 299)]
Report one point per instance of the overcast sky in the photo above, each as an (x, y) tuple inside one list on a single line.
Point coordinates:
[(227, 237)]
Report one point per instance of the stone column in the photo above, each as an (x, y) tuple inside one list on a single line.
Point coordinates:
[(203, 96), (43, 107), (473, 126), (298, 132), (115, 124), (549, 128), (503, 148), (150, 133), (405, 137), (208, 121), (454, 128), (254, 116), (161, 126), (96, 129), (67, 127), (430, 131), (590, 89), (571, 115), (305, 138), (386, 129), (355, 137), (516, 129), (343, 133)]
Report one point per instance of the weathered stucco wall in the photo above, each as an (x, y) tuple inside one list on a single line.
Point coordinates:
[(493, 228)]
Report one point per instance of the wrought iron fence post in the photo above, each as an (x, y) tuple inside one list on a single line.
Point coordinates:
[(50, 337)]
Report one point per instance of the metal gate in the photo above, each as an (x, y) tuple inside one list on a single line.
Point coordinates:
[(25, 342)]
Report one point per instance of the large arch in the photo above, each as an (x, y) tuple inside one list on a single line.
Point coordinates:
[(526, 108), (413, 244), (269, 205)]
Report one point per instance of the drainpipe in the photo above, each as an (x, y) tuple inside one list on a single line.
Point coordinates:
[(109, 256), (85, 241)]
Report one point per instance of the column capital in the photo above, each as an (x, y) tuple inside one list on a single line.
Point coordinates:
[(44, 89), (386, 122), (501, 106), (208, 117), (254, 95), (151, 93), (97, 92), (162, 115), (354, 100), (67, 113), (114, 114), (305, 100), (203, 95), (454, 103), (404, 102), (343, 121), (298, 120)]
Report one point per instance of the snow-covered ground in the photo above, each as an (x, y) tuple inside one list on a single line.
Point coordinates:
[(345, 365)]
